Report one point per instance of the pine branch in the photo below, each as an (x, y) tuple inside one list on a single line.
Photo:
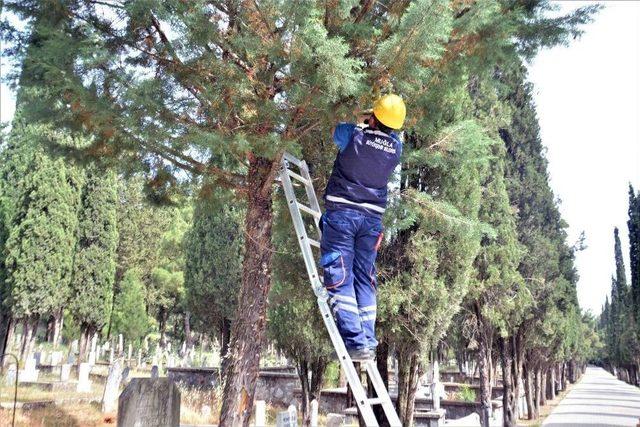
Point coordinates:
[(368, 4)]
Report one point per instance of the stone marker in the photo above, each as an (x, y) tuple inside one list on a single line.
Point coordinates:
[(65, 372), (112, 387), (74, 346), (261, 413), (10, 378), (155, 371), (84, 384), (314, 413), (130, 353), (149, 402), (288, 418), (29, 374), (335, 420), (56, 358)]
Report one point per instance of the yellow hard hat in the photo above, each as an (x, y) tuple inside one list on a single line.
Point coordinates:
[(390, 111)]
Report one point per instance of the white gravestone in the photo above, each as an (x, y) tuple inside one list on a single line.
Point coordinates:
[(120, 345), (84, 384), (10, 378), (112, 387), (74, 346), (314, 413), (261, 413), (56, 358), (288, 418), (29, 374), (65, 372)]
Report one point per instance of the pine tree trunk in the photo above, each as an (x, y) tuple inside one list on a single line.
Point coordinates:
[(543, 387), (303, 375), (408, 365), (6, 337), (57, 327), (248, 329), (528, 392), (537, 386), (483, 358), (85, 338), (187, 332), (30, 327), (50, 327), (162, 326), (551, 383), (508, 395), (517, 354)]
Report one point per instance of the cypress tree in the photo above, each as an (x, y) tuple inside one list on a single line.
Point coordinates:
[(213, 264), (634, 250), (95, 254)]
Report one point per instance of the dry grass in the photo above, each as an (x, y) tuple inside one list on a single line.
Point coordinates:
[(84, 414)]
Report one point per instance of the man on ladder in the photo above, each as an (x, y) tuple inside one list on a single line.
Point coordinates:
[(355, 200)]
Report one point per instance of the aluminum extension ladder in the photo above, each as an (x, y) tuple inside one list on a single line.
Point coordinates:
[(365, 404)]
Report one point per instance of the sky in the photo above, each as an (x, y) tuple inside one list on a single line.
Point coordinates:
[(588, 104)]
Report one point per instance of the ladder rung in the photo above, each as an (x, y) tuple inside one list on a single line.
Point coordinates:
[(314, 243), (308, 210), (289, 158), (298, 177), (376, 401)]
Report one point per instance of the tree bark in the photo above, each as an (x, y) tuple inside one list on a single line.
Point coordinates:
[(6, 337), (188, 339), (508, 396), (528, 392), (537, 387), (311, 374), (408, 365), (30, 328), (543, 387), (552, 382), (484, 358), (248, 329), (58, 323), (225, 336), (517, 368)]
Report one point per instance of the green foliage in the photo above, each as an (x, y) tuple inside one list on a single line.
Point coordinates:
[(213, 261), (94, 264), (129, 311), (466, 393), (43, 230)]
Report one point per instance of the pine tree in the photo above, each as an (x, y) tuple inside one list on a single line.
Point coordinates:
[(94, 264), (269, 78)]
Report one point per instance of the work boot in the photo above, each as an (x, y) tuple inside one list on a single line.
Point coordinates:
[(356, 355)]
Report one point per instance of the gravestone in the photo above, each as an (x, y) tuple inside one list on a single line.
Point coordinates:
[(74, 346), (84, 384), (65, 372), (10, 378), (120, 345), (149, 402), (112, 387), (335, 420), (154, 371), (56, 358), (29, 374), (261, 413), (130, 353), (38, 357), (314, 413), (288, 418)]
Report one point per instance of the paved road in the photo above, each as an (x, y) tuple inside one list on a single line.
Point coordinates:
[(599, 399)]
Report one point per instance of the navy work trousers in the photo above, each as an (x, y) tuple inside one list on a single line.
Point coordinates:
[(350, 241)]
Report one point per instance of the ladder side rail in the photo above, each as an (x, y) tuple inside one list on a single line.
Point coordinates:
[(383, 394), (311, 194), (301, 233), (351, 374)]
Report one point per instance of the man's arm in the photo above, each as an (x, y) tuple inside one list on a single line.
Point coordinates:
[(342, 135)]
